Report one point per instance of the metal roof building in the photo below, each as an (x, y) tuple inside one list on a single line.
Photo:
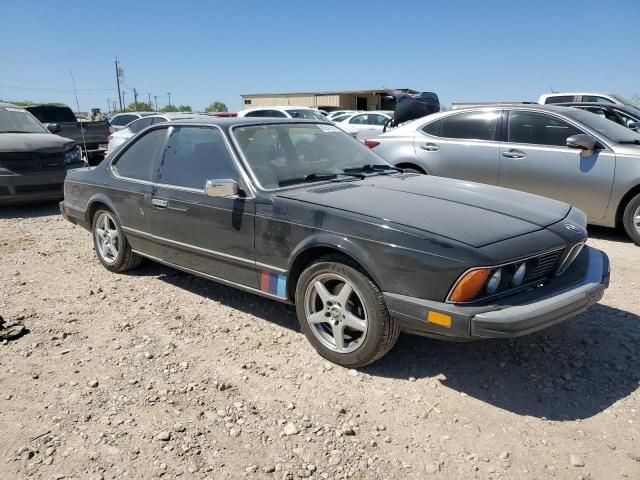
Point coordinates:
[(377, 99)]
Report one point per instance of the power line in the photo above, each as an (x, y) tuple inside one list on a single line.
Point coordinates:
[(60, 90)]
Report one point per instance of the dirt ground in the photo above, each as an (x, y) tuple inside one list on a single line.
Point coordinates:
[(157, 373)]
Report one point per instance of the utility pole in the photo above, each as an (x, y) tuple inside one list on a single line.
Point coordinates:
[(125, 103), (149, 97), (135, 99), (114, 105), (108, 105), (118, 82), (169, 95), (155, 99)]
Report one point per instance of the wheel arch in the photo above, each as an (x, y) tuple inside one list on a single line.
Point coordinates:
[(94, 203), (624, 202), (312, 249)]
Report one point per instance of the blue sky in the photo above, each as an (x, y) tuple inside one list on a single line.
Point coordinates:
[(215, 50)]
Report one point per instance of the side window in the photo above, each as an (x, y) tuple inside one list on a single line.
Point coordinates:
[(433, 128), (377, 120), (274, 114), (597, 99), (138, 161), (194, 155), (559, 99), (123, 120), (140, 124), (626, 119), (158, 120), (539, 129), (360, 120), (470, 126), (257, 113)]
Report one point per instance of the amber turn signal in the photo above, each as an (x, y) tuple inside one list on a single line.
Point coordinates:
[(469, 285)]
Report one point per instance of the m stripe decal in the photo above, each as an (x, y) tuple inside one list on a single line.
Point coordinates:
[(273, 283)]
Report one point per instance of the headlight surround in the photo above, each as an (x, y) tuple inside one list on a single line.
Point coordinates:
[(73, 156)]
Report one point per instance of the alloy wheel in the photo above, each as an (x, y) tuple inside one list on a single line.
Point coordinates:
[(335, 312), (107, 237)]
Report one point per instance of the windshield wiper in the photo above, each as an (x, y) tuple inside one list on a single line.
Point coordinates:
[(312, 177), (371, 168), (630, 142)]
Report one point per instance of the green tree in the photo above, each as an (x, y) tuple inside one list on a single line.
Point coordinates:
[(139, 107), (185, 108), (169, 108), (217, 107)]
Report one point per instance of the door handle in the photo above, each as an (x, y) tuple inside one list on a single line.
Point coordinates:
[(430, 147), (514, 154), (159, 202)]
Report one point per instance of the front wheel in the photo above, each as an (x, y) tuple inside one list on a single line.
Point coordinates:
[(343, 313), (631, 219)]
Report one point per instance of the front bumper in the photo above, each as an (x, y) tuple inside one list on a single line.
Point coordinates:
[(35, 187), (581, 286)]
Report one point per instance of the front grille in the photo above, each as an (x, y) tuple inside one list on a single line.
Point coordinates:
[(32, 162), (541, 267)]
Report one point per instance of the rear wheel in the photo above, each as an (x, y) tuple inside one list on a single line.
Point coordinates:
[(343, 313), (112, 247), (631, 219)]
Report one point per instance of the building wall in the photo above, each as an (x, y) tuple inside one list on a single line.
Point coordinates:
[(343, 102)]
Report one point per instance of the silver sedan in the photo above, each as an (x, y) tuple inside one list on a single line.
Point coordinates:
[(558, 152)]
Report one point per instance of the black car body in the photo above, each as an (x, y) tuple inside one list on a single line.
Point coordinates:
[(411, 239), (625, 115), (33, 161)]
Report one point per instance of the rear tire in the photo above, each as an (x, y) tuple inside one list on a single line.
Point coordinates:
[(631, 219), (343, 313), (111, 245)]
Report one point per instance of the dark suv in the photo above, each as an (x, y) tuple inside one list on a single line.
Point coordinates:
[(33, 161)]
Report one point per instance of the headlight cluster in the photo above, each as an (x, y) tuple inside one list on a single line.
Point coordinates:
[(488, 281), (73, 156)]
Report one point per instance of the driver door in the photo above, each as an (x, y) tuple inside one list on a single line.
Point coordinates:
[(211, 235)]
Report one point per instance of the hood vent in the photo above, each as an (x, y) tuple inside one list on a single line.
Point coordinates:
[(334, 188)]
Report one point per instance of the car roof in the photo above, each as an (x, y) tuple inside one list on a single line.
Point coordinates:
[(277, 107), (5, 104), (574, 93), (227, 122), (142, 114)]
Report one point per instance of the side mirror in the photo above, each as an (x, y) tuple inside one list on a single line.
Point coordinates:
[(224, 187), (53, 127), (582, 142), (635, 126)]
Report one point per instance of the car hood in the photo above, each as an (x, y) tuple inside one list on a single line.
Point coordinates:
[(467, 212), (33, 142)]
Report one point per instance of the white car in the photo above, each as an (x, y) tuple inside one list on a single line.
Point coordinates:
[(294, 112), (125, 133), (121, 120), (368, 124), (591, 97), (338, 113)]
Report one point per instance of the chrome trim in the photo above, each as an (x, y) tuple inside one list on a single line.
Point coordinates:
[(569, 258), (491, 267), (211, 277), (213, 253)]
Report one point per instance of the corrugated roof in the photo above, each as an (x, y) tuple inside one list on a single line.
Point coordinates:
[(336, 92)]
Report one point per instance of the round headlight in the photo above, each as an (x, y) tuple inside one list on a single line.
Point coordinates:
[(519, 275), (494, 281)]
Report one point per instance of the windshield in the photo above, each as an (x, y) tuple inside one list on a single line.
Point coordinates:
[(613, 131), (306, 114), (621, 99), (18, 120), (285, 154)]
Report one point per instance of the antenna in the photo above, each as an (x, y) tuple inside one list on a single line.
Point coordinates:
[(78, 107), (552, 90)]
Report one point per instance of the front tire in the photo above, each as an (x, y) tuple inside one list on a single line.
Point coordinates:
[(631, 219), (111, 246), (343, 313)]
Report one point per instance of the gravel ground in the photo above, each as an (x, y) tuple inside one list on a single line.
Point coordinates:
[(157, 373)]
